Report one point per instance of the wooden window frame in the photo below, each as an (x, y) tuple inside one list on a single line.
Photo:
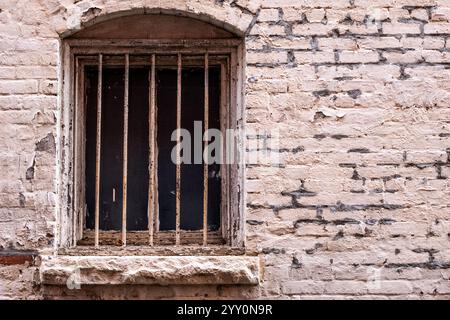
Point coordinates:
[(72, 147)]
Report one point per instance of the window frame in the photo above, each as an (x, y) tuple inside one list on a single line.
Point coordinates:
[(71, 188)]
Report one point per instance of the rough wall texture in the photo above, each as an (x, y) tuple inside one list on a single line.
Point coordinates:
[(360, 93)]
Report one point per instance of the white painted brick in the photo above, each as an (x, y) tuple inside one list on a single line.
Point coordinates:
[(363, 119), (309, 29), (315, 15), (291, 43), (436, 56), (18, 86), (376, 43), (425, 43), (292, 14), (268, 30), (361, 56), (420, 14), (269, 15), (262, 57), (407, 57), (437, 28), (401, 28), (314, 57), (330, 44)]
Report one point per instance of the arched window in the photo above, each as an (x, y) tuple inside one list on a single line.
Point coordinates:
[(145, 91)]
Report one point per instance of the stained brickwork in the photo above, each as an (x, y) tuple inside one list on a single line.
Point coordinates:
[(358, 205)]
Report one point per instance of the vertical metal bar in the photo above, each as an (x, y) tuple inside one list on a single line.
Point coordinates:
[(76, 153), (151, 141), (224, 169), (205, 147), (125, 151), (81, 107), (98, 148), (178, 170)]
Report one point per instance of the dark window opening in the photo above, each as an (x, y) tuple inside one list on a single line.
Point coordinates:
[(138, 147)]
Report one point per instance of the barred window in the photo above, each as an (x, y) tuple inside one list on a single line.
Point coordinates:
[(154, 163)]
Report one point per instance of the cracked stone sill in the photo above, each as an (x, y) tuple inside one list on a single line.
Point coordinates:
[(149, 270)]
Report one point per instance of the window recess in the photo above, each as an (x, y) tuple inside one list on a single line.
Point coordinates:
[(128, 102)]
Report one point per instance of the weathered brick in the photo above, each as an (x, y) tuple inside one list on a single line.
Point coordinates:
[(420, 14), (360, 56), (314, 57), (18, 86), (382, 42), (437, 28), (292, 43), (330, 44), (268, 30), (425, 43), (436, 56), (311, 29), (315, 15), (401, 28), (269, 15), (407, 57), (292, 14), (359, 91)]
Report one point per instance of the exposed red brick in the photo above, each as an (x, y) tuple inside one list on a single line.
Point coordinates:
[(16, 258)]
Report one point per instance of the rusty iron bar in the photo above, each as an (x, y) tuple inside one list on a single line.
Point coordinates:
[(98, 149), (152, 138), (125, 150), (75, 167), (178, 150), (205, 154)]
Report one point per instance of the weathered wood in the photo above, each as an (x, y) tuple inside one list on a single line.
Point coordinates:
[(98, 150), (205, 147), (80, 110), (237, 177), (125, 151), (194, 45), (178, 164), (157, 250), (161, 238), (165, 61)]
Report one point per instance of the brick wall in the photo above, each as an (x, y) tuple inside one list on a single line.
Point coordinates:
[(359, 91)]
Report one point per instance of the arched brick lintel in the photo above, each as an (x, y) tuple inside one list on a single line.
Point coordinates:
[(234, 19)]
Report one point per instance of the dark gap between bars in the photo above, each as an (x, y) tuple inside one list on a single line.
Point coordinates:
[(112, 147)]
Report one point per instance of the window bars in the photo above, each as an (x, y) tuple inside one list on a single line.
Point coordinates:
[(152, 148)]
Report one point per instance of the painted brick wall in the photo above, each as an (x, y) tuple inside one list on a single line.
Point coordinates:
[(359, 203)]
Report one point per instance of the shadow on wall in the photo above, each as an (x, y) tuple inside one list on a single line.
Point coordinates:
[(146, 292)]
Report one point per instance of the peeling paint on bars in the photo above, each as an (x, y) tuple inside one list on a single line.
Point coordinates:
[(205, 164), (125, 151), (152, 174), (152, 235), (98, 150), (75, 167), (178, 170)]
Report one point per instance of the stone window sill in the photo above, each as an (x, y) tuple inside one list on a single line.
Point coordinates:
[(149, 270)]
